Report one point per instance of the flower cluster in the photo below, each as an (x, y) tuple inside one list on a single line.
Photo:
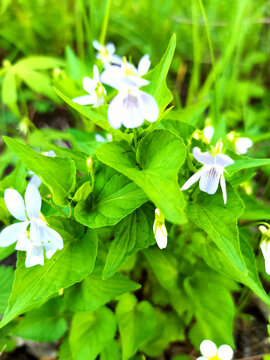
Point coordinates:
[(31, 232), (210, 351), (131, 106)]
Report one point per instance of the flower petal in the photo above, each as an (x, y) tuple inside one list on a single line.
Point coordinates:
[(15, 204), (132, 114), (115, 59), (242, 144), (223, 188), (115, 114), (89, 85), (223, 160), (208, 132), (50, 250), (195, 177), (85, 99), (208, 348), (204, 158), (225, 352), (12, 233), (35, 180), (144, 65), (34, 255), (149, 106), (23, 242), (110, 48), (97, 45), (112, 76), (266, 254), (161, 236), (32, 202), (95, 75), (209, 180), (53, 238)]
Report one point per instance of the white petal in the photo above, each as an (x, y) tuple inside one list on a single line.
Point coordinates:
[(209, 180), (35, 181), (223, 160), (132, 113), (112, 76), (50, 153), (161, 236), (266, 254), (99, 138), (144, 65), (115, 113), (242, 144), (134, 81), (12, 233), (32, 202), (110, 48), (204, 158), (85, 99), (50, 250), (208, 132), (15, 204), (208, 348), (41, 233), (223, 188), (225, 352), (115, 59), (97, 45), (23, 242), (202, 358), (89, 85), (195, 177), (34, 255), (149, 106), (53, 238), (95, 75)]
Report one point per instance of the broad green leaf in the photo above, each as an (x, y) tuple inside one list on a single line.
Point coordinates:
[(136, 321), (83, 192), (33, 286), (159, 157), (134, 232), (157, 77), (213, 308), (42, 324), (113, 198), (98, 116), (9, 91), (246, 163), (39, 62), (94, 292), (90, 333), (169, 328), (64, 352), (216, 260), (254, 210), (6, 251), (57, 173), (6, 281), (219, 221), (111, 351), (164, 266)]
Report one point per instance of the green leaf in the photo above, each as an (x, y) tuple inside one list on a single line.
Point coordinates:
[(254, 210), (98, 116), (90, 332), (35, 285), (133, 233), (111, 351), (137, 322), (93, 291), (157, 77), (246, 163), (160, 155), (57, 173), (164, 266), (9, 91), (83, 192), (43, 324), (6, 281), (113, 198), (219, 221), (64, 352), (213, 307), (6, 251), (39, 63)]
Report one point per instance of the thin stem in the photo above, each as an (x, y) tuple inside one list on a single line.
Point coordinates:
[(105, 23), (135, 138)]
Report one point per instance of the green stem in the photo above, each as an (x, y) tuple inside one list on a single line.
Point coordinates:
[(135, 138), (105, 23), (54, 206)]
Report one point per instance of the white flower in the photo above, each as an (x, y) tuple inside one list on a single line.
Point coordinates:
[(95, 89), (160, 230), (208, 133), (35, 180), (100, 138), (242, 145), (106, 54), (210, 351), (265, 247), (39, 234), (131, 106), (211, 173)]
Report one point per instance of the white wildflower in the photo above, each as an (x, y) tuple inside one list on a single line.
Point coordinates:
[(160, 230), (242, 145), (265, 247), (211, 173), (131, 106), (210, 351), (38, 235), (95, 89), (107, 54)]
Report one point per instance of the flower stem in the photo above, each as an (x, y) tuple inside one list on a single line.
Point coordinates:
[(105, 23), (135, 138)]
